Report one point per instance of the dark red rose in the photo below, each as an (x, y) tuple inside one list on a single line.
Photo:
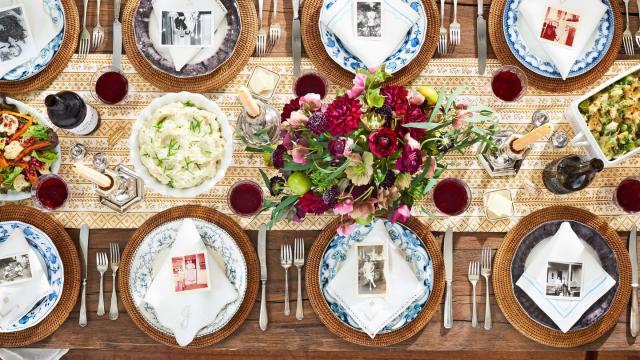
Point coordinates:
[(343, 115), (414, 114), (396, 97), (410, 161), (277, 156), (336, 147), (293, 105), (311, 203), (383, 142)]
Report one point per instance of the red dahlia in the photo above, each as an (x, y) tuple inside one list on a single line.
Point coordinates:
[(311, 203), (343, 115), (396, 97), (293, 105), (383, 142), (414, 114)]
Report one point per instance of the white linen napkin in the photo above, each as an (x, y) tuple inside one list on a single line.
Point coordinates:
[(17, 299), (397, 18), (32, 354), (533, 12), (185, 313), (403, 287), (182, 55), (564, 246)]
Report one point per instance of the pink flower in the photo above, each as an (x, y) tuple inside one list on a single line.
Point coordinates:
[(402, 213), (362, 209), (299, 154), (346, 228), (297, 119), (287, 140), (344, 207), (458, 120), (432, 168), (410, 142), (462, 105), (415, 98), (410, 160), (358, 86), (372, 70), (311, 102)]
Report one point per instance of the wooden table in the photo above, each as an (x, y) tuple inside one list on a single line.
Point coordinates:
[(287, 337)]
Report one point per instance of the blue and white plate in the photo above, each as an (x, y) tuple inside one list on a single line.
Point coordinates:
[(415, 253), (396, 61), (533, 57), (223, 249), (50, 260), (53, 9)]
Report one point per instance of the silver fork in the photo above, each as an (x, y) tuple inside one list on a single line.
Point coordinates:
[(286, 260), (261, 44), (298, 261), (638, 32), (98, 32), (627, 40), (115, 263), (486, 272), (85, 43), (454, 27), (102, 265), (442, 42), (274, 29), (474, 276)]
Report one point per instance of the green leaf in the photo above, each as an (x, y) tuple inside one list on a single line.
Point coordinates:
[(422, 125), (374, 99), (279, 212), (291, 166), (37, 132), (436, 107), (46, 156), (432, 182), (265, 178), (451, 98), (477, 118)]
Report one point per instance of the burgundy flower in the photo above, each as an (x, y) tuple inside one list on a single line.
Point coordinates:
[(293, 105), (311, 203), (339, 147), (383, 142), (410, 161), (343, 115), (396, 97), (414, 114), (277, 156)]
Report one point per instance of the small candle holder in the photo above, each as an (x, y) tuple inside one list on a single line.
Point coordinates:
[(503, 160), (263, 129), (126, 189)]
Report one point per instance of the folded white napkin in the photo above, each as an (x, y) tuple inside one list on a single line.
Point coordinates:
[(32, 354), (182, 55), (397, 18), (403, 287), (17, 299), (185, 313), (533, 12), (566, 247)]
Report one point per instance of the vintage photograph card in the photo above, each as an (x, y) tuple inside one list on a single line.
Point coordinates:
[(15, 269), (16, 41), (564, 280), (369, 19), (190, 272), (186, 28), (560, 26), (372, 270)]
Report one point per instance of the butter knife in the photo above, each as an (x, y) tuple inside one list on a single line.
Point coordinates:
[(262, 256), (117, 37), (296, 42), (448, 275), (84, 247), (634, 320), (481, 39)]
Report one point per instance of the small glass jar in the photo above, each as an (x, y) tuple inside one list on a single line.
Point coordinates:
[(263, 129), (492, 215), (259, 75)]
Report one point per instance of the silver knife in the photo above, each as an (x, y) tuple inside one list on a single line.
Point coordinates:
[(296, 42), (262, 256), (117, 37), (448, 276), (84, 247), (634, 320), (481, 34)]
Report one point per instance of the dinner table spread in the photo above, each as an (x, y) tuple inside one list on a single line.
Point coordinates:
[(319, 178)]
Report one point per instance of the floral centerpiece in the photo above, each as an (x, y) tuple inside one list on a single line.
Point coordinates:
[(374, 151)]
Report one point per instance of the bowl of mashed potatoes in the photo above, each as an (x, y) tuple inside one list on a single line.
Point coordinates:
[(181, 144)]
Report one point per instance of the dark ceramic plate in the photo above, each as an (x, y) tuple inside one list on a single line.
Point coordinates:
[(143, 41), (593, 239)]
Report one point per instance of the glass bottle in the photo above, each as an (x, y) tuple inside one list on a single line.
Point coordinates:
[(68, 111), (571, 173), (259, 122)]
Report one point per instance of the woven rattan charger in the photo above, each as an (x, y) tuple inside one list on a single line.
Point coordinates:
[(59, 61), (503, 286), (71, 264), (345, 331), (218, 78), (329, 68), (228, 225), (503, 53)]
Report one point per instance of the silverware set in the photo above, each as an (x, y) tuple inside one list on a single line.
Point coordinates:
[(93, 39), (287, 259), (274, 29), (103, 264), (477, 268), (448, 40)]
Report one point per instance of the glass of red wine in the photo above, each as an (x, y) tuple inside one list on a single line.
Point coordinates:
[(311, 82), (627, 195), (509, 83), (111, 86), (245, 198), (451, 196), (51, 193)]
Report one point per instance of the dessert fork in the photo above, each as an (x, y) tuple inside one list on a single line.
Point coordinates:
[(98, 32), (274, 29), (486, 272), (261, 44), (286, 260), (103, 264), (474, 276), (298, 261), (638, 32), (627, 39), (454, 27), (442, 42), (115, 263), (85, 43)]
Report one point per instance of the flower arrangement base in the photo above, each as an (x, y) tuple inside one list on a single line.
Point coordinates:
[(501, 161)]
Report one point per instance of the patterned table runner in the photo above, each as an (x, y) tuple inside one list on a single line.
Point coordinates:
[(83, 205)]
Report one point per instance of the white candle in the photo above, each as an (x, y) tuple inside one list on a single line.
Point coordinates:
[(249, 103), (93, 175)]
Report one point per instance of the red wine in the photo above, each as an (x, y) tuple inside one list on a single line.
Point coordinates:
[(507, 85), (112, 87), (627, 195), (68, 111), (52, 192), (245, 198), (451, 196), (570, 174), (311, 83)]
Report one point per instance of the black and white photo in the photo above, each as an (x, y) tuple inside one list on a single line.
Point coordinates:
[(368, 19), (186, 28), (564, 280), (16, 41), (15, 268), (372, 263)]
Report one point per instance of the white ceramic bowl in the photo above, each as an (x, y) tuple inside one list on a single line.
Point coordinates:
[(583, 135), (202, 103), (55, 167)]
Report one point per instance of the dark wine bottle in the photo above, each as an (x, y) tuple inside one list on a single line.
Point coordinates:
[(68, 111), (570, 174)]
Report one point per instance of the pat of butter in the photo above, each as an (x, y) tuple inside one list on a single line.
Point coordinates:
[(498, 204), (263, 82)]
